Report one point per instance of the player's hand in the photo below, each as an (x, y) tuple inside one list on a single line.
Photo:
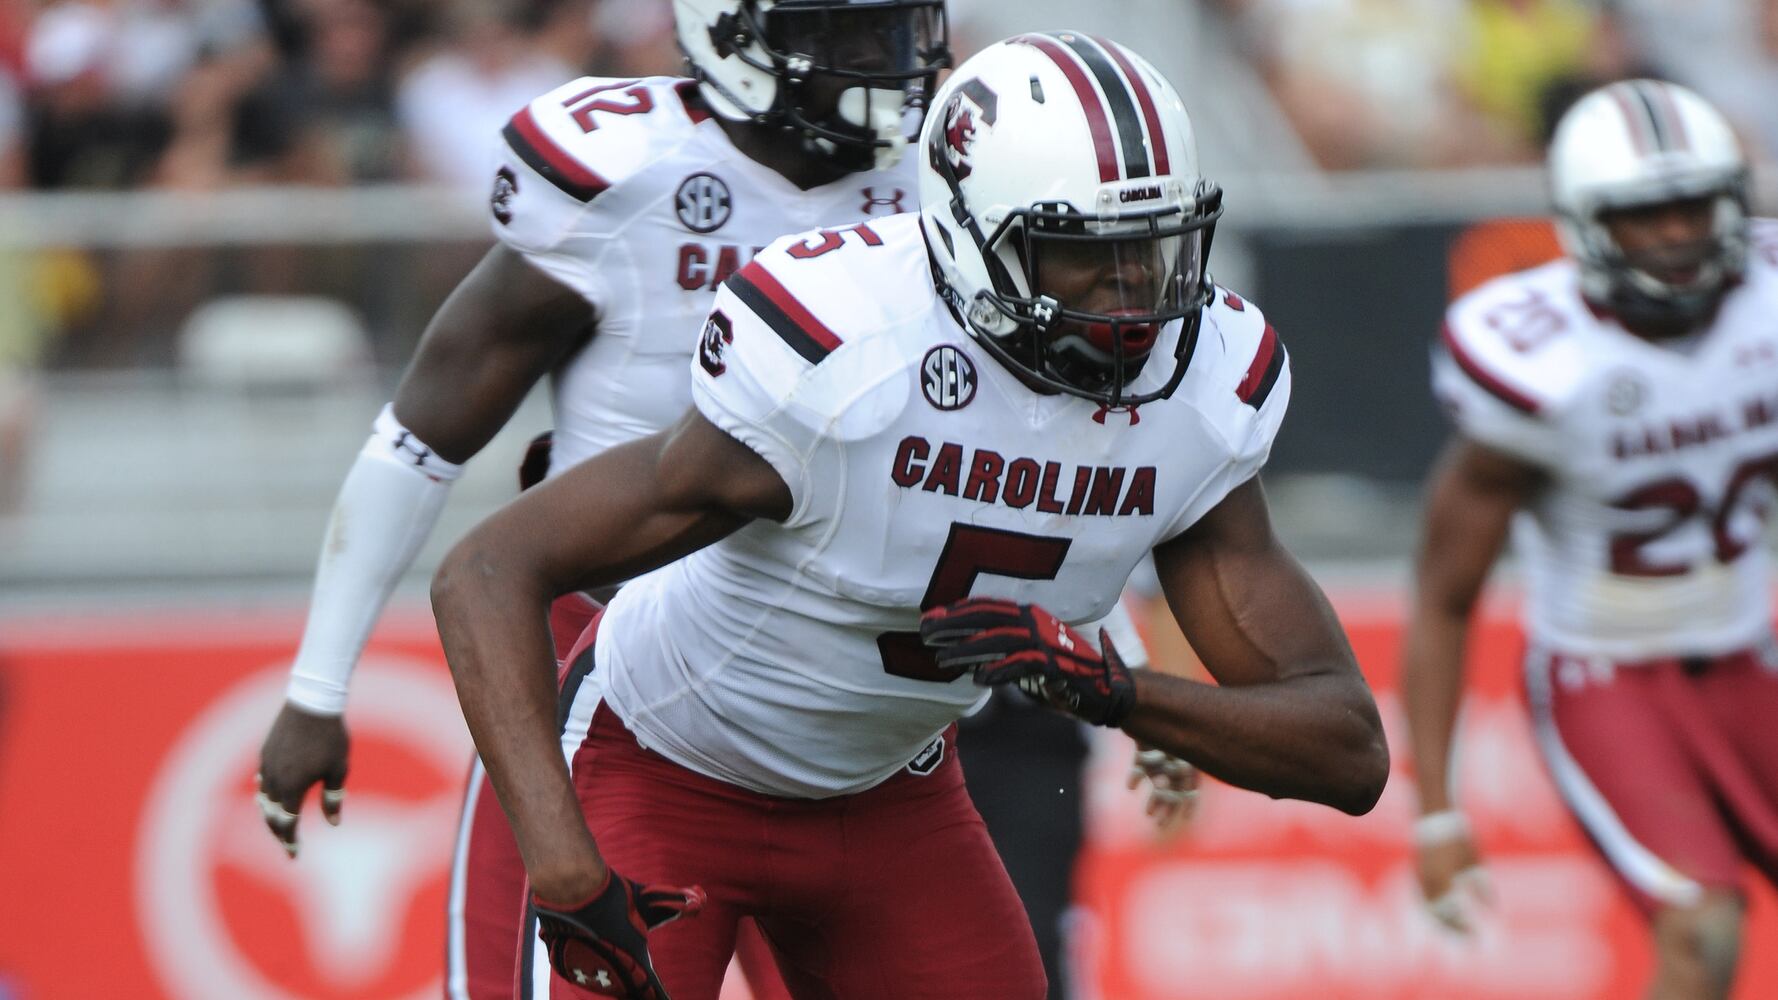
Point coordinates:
[(301, 750), (601, 945), (1454, 883), (1173, 788), (1004, 642)]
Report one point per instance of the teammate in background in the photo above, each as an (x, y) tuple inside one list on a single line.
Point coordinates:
[(1618, 410), (1018, 392), (620, 207)]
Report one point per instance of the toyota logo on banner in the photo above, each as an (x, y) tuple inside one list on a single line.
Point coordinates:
[(226, 915), (947, 377)]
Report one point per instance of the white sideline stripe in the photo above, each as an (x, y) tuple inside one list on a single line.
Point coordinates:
[(457, 981), (1639, 865), (580, 714)]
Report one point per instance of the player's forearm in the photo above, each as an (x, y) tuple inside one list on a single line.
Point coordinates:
[(1432, 690), (492, 615), (1315, 736)]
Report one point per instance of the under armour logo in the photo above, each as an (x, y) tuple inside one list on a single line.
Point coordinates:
[(872, 201), (1062, 638), (402, 444), (1100, 414)]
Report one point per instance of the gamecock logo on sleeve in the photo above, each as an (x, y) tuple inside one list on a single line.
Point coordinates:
[(718, 333), (506, 184)]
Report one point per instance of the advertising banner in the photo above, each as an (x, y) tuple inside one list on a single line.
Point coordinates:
[(133, 859)]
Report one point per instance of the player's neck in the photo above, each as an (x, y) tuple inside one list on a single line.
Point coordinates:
[(781, 151)]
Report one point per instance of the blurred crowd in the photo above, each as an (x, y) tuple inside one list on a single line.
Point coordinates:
[(1439, 83), (196, 94)]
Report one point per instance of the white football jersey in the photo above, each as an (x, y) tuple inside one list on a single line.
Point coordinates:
[(629, 192), (1661, 457), (786, 657)]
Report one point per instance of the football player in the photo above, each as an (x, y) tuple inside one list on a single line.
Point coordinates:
[(1617, 410), (620, 206), (920, 448)]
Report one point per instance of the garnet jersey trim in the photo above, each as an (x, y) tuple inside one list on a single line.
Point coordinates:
[(759, 291), (553, 163), (1262, 374), (1485, 379)]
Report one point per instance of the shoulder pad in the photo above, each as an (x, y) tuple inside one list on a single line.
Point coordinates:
[(588, 135), (819, 289), (822, 337), (1519, 338), (1253, 355)]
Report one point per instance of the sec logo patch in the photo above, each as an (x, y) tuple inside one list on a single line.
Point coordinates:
[(947, 377), (703, 203)]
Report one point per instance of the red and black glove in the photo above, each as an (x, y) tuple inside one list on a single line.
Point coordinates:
[(602, 944), (1004, 642)]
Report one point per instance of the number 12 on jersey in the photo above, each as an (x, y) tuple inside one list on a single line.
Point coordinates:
[(970, 551)]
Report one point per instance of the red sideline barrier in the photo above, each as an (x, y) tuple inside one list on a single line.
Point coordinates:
[(127, 753), (1282, 901), (132, 857)]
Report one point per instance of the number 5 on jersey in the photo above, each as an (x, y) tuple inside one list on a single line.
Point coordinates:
[(969, 552)]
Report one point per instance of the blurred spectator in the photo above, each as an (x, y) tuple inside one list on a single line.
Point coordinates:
[(1367, 83), (336, 95), (1726, 50), (452, 104), (636, 39), (115, 87), (1527, 60), (12, 132)]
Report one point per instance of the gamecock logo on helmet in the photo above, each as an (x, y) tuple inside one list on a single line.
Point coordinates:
[(972, 106), (959, 129)]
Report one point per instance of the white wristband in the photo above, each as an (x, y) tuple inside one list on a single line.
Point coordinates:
[(1443, 827)]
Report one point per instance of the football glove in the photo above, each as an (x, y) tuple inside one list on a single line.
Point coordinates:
[(602, 944), (1004, 642)]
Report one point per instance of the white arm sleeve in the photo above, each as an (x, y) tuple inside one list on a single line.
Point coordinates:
[(386, 509)]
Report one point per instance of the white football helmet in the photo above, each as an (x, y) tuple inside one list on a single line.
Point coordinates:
[(1639, 143), (1067, 151), (753, 58)]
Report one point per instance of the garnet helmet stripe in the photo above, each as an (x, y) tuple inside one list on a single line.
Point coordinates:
[(1097, 122), (1657, 128), (1118, 98), (1157, 137), (1635, 116), (1665, 112)]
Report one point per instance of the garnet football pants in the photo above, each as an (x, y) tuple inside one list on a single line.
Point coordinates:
[(1025, 769), (1671, 766), (490, 932), (895, 893)]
